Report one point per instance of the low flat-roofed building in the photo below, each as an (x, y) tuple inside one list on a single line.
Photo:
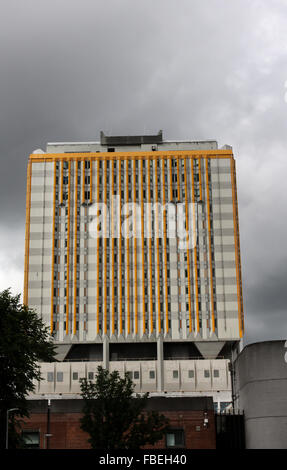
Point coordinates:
[(191, 423)]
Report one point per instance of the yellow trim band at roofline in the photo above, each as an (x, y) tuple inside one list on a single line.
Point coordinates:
[(132, 155)]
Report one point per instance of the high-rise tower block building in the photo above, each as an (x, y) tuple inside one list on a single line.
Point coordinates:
[(106, 266)]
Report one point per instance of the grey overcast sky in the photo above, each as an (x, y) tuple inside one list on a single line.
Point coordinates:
[(198, 69)]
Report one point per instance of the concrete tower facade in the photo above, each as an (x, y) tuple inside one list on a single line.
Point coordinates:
[(132, 249)]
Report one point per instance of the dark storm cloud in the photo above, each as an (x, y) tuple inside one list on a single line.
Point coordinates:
[(196, 69), (266, 296)]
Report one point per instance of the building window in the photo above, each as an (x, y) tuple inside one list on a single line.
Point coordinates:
[(60, 376), (191, 374), (216, 373), (31, 439), (50, 376), (91, 375), (175, 438), (152, 374), (175, 374), (136, 374), (206, 374), (75, 375)]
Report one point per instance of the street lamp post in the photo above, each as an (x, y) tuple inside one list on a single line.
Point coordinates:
[(7, 425), (48, 433)]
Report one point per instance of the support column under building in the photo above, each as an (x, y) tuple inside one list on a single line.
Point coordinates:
[(106, 353), (160, 370)]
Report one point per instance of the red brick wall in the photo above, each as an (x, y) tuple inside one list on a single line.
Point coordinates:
[(67, 433), (188, 421), (65, 428)]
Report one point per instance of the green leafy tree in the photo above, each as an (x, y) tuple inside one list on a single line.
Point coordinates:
[(24, 340), (114, 416)]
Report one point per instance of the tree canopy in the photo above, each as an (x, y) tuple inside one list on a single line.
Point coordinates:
[(24, 340), (114, 417)]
